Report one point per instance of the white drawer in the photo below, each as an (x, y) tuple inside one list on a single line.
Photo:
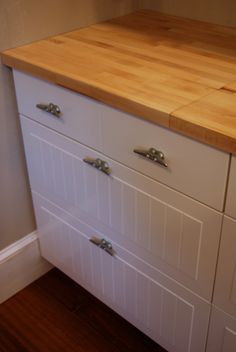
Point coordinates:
[(169, 314), (225, 287), (231, 193), (193, 168), (222, 333), (80, 116), (166, 229)]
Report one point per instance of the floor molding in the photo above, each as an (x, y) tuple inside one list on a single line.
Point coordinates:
[(20, 264)]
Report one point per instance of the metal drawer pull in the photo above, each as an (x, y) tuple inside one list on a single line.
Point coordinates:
[(51, 108), (98, 164), (152, 154), (103, 244)]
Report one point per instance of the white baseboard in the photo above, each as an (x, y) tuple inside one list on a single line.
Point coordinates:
[(20, 264)]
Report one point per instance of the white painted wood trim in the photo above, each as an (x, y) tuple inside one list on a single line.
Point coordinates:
[(16, 247), (21, 264)]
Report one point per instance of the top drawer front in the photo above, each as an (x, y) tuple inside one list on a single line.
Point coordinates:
[(231, 196), (80, 117), (193, 168)]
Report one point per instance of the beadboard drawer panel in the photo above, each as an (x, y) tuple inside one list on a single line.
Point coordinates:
[(168, 230), (80, 117), (231, 194), (225, 287), (155, 306), (193, 168), (222, 333)]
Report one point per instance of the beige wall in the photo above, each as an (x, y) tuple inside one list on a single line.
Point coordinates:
[(23, 21), (215, 11)]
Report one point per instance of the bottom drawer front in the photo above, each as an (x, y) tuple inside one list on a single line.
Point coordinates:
[(175, 318), (222, 334)]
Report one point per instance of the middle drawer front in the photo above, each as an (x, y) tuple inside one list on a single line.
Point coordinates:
[(193, 168), (169, 231)]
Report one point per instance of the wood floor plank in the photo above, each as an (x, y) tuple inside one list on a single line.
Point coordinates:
[(125, 336), (63, 289), (42, 324), (54, 314)]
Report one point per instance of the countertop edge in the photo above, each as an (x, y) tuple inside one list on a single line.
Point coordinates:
[(202, 134), (86, 88)]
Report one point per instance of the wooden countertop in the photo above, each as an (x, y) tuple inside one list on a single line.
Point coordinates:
[(175, 72)]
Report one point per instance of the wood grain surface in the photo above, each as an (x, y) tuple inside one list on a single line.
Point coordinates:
[(231, 86), (211, 119), (149, 64), (54, 314)]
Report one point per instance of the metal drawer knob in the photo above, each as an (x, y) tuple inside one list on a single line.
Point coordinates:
[(103, 244), (152, 154), (98, 164), (50, 108)]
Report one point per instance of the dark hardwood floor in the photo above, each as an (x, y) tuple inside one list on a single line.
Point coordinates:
[(56, 314)]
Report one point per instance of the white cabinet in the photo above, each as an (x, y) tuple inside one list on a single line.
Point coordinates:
[(222, 333), (80, 116), (166, 242), (166, 312), (171, 232), (225, 287), (193, 168), (231, 194)]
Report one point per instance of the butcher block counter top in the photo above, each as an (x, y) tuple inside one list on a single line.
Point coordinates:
[(175, 72)]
